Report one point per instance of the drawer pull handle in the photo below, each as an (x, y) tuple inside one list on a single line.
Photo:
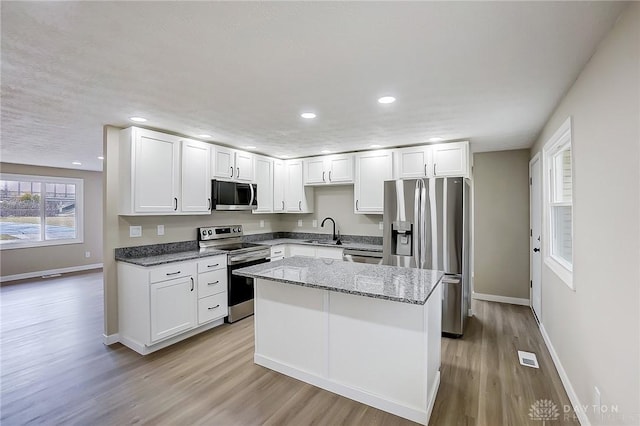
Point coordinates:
[(213, 283), (214, 307), (172, 273), (213, 266), (277, 252)]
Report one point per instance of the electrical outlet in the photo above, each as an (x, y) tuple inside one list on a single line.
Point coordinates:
[(160, 229), (135, 231), (87, 254), (262, 224), (300, 223), (381, 225), (314, 223)]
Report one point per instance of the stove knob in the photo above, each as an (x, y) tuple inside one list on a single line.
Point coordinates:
[(209, 232), (238, 229), (204, 232)]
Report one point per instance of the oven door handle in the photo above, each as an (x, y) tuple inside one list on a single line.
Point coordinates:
[(242, 259)]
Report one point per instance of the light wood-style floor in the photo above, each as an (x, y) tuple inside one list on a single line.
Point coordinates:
[(55, 370)]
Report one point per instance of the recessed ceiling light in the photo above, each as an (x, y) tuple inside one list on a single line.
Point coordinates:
[(308, 115), (101, 158), (76, 163), (138, 119), (387, 100), (375, 145), (204, 135), (436, 139), (249, 147), (325, 151)]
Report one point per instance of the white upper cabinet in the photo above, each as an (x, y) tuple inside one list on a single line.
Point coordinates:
[(264, 180), (150, 172), (279, 182), (413, 162), (231, 164), (451, 159), (372, 169), (196, 177), (298, 199), (445, 159), (329, 169)]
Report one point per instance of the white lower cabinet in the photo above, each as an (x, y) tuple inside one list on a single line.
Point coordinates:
[(277, 252), (312, 251), (161, 305), (172, 305)]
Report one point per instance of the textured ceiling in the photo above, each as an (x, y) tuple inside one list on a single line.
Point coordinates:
[(490, 72)]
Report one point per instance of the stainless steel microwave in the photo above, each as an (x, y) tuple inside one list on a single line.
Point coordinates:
[(233, 195)]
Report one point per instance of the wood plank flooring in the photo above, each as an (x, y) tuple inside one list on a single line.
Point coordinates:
[(55, 370)]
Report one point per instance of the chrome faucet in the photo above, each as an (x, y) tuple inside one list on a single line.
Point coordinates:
[(333, 235)]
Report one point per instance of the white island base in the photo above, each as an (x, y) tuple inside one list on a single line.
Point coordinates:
[(382, 353)]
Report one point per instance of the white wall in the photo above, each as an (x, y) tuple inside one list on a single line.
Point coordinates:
[(595, 329)]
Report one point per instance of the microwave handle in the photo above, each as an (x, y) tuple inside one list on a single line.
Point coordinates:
[(252, 194)]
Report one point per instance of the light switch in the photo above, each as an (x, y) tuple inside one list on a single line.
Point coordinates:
[(135, 231), (381, 225), (262, 224), (314, 223), (160, 229), (300, 223)]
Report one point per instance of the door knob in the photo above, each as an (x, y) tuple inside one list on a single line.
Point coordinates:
[(536, 250)]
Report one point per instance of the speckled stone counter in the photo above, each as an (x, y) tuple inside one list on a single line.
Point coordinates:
[(322, 242), (405, 285), (161, 259)]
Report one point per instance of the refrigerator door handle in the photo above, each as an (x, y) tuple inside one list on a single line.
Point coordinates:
[(416, 224), (423, 225)]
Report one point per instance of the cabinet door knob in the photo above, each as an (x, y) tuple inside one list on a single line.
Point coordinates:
[(282, 204), (357, 205), (231, 172), (425, 169), (237, 172), (434, 169), (329, 175), (192, 283), (300, 205), (536, 250), (323, 177), (209, 203), (175, 201)]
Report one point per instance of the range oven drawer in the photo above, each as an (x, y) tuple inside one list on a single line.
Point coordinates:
[(212, 308), (213, 282)]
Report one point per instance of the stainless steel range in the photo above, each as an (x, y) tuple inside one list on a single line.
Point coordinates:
[(239, 255)]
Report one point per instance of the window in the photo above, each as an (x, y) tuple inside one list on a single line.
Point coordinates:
[(39, 211), (559, 203)]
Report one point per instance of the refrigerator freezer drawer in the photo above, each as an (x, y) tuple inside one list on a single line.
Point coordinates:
[(452, 306)]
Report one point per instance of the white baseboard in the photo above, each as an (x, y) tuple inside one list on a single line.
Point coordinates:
[(501, 299), (417, 415), (571, 393), (50, 272), (110, 339)]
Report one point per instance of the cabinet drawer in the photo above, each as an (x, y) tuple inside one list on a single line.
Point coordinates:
[(171, 271), (212, 283), (212, 263), (212, 307)]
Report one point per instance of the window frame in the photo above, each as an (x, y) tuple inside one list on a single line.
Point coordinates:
[(79, 208), (560, 141)]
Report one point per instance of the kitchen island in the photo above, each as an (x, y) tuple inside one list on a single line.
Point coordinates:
[(368, 332)]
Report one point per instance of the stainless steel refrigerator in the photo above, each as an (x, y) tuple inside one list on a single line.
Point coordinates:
[(426, 225)]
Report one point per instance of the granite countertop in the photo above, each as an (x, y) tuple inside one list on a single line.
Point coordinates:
[(163, 258), (407, 285), (318, 242)]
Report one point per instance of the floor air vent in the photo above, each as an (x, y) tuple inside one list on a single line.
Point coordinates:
[(528, 359)]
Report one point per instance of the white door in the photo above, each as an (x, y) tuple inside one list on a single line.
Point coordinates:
[(156, 173), (294, 190), (264, 180), (278, 185), (173, 307), (244, 166), (372, 169), (315, 171), (413, 162), (340, 168), (450, 159), (223, 163), (196, 177), (535, 203)]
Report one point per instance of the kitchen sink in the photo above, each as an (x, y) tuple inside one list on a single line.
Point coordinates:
[(323, 242)]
